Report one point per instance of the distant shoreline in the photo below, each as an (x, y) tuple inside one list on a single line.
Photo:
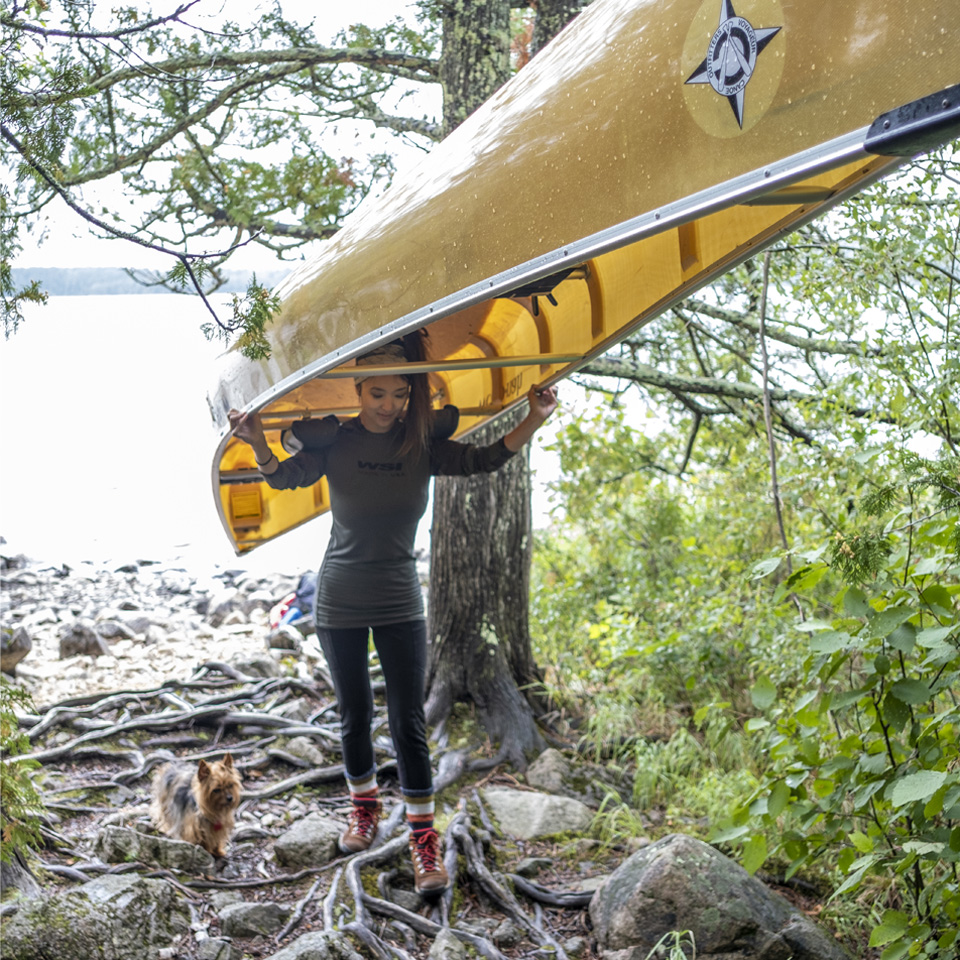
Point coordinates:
[(111, 281)]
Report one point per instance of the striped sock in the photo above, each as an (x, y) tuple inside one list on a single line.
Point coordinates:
[(364, 793), (419, 813)]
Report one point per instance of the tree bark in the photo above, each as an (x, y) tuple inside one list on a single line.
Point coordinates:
[(479, 585), (481, 539), (552, 17), (476, 55)]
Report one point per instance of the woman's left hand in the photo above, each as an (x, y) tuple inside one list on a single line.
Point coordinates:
[(542, 402)]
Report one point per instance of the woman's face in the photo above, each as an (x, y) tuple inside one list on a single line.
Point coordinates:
[(382, 401)]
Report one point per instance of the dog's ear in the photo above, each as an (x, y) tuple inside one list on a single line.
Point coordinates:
[(203, 771), (228, 760)]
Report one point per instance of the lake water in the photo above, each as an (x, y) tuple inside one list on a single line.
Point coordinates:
[(107, 440)]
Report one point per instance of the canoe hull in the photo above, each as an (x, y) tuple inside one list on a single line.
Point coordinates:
[(647, 150)]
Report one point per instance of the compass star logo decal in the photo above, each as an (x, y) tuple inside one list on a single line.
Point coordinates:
[(732, 57)]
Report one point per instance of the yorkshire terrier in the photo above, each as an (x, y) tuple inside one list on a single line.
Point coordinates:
[(197, 805)]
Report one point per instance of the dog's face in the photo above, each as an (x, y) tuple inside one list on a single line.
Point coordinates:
[(219, 784)]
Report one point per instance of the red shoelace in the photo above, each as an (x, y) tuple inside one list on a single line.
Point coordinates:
[(428, 849), (363, 819)]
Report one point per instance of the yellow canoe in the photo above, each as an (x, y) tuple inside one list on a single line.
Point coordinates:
[(651, 147)]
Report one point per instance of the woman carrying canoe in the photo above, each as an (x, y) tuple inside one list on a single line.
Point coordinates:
[(378, 468)]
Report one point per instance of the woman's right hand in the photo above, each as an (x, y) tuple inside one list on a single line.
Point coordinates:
[(246, 427)]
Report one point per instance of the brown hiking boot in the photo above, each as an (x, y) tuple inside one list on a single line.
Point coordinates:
[(430, 877), (361, 827)]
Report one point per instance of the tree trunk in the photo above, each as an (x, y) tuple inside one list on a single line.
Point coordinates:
[(479, 584), (552, 17), (476, 55), (481, 542)]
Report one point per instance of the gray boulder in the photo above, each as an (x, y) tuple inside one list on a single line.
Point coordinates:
[(111, 918), (221, 604), (17, 880), (14, 646), (528, 815), (318, 945), (253, 919), (310, 842), (124, 845), (679, 883), (549, 771), (80, 638)]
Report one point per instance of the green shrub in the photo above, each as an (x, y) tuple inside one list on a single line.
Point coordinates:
[(20, 804), (865, 752)]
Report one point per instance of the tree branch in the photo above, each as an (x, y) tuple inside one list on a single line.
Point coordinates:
[(15, 24), (291, 60)]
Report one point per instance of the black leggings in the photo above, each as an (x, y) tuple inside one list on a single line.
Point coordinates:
[(402, 648)]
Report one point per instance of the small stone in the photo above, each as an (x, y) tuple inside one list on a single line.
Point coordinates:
[(253, 919), (310, 842), (575, 946), (306, 749), (548, 771), (223, 898), (114, 630), (507, 934), (592, 884), (531, 866), (446, 946), (257, 667), (407, 899), (215, 949)]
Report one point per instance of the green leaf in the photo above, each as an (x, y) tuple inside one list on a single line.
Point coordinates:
[(807, 577), (764, 568), (779, 798), (812, 626), (934, 636), (922, 846), (754, 853), (894, 712), (938, 599), (763, 693), (896, 951), (831, 641), (861, 841), (903, 638), (727, 833), (855, 603), (893, 926), (911, 691), (916, 786), (886, 621)]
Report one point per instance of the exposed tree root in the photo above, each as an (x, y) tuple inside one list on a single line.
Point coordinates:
[(172, 712)]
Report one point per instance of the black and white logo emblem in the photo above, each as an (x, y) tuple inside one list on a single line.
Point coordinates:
[(732, 57)]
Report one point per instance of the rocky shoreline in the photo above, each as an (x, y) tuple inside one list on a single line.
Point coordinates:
[(100, 628)]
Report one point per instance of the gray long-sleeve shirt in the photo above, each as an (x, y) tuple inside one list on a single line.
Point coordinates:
[(377, 498)]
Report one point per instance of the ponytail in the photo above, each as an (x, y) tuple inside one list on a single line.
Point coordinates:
[(416, 438)]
